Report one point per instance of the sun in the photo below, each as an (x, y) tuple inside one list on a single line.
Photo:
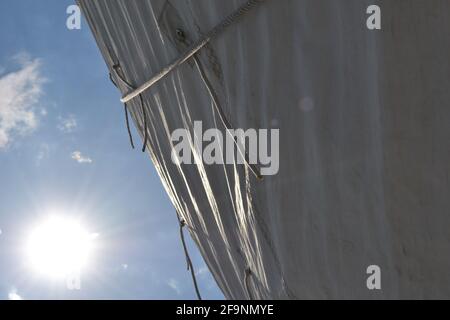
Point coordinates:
[(59, 246)]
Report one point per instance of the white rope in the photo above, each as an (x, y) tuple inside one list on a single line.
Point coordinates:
[(232, 18)]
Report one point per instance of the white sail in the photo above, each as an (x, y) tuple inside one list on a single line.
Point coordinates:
[(364, 123)]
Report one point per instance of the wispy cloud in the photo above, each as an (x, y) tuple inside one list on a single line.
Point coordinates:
[(174, 285), (20, 92), (202, 271), (67, 124), (42, 153), (13, 295), (80, 158)]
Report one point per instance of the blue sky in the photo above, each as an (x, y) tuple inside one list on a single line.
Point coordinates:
[(64, 146)]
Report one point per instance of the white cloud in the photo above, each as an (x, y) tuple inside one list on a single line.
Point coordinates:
[(42, 153), (77, 156), (68, 124), (13, 295), (125, 266), (202, 271), (20, 92), (174, 285)]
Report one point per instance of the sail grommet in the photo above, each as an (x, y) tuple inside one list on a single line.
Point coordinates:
[(180, 35)]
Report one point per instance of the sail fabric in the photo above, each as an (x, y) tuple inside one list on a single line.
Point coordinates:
[(364, 149)]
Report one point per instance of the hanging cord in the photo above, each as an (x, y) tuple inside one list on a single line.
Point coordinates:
[(194, 48), (248, 273), (127, 120), (125, 107), (112, 80), (118, 71), (188, 258), (144, 114)]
